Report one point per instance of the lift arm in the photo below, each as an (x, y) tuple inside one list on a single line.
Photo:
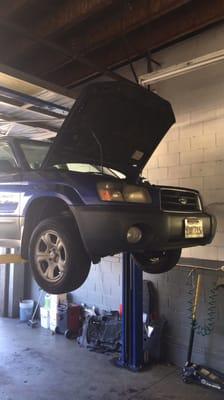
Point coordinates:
[(11, 259)]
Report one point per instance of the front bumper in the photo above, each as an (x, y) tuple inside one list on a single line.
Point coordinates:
[(104, 229)]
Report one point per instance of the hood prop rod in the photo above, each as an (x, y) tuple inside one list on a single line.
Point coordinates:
[(100, 148)]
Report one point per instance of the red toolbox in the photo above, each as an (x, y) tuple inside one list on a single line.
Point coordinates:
[(75, 318)]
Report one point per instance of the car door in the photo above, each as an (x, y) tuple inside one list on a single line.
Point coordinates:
[(10, 186)]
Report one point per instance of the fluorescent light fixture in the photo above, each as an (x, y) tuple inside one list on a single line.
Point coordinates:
[(181, 69)]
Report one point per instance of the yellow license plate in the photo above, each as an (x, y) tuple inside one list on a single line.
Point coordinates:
[(193, 228)]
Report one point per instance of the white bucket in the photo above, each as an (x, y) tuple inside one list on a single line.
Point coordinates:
[(25, 310)]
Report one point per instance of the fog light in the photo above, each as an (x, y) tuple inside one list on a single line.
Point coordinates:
[(134, 234)]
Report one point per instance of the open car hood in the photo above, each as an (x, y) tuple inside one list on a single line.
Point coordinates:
[(115, 124)]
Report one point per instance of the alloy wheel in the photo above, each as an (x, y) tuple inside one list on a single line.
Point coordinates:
[(51, 256)]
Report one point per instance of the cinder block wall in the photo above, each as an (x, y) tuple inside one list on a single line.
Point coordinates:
[(103, 285), (192, 153)]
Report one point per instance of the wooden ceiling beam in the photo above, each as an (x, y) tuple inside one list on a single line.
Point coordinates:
[(8, 7), (71, 13), (189, 19), (127, 17), (62, 16), (94, 34), (51, 46)]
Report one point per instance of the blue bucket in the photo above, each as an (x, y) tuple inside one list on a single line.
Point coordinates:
[(26, 310)]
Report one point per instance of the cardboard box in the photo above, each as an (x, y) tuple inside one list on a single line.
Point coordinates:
[(44, 318)]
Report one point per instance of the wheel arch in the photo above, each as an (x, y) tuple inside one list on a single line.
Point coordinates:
[(39, 209)]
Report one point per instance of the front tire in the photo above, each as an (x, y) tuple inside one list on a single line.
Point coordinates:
[(157, 262), (57, 256)]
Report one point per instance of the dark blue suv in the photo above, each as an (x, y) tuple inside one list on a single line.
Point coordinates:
[(82, 197)]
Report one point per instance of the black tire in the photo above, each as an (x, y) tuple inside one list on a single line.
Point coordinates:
[(57, 256), (157, 262)]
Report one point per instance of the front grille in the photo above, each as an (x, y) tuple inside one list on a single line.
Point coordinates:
[(179, 200)]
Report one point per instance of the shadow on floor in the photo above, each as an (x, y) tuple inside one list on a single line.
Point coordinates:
[(36, 365)]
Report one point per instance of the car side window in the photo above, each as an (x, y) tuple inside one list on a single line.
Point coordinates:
[(8, 162), (34, 153)]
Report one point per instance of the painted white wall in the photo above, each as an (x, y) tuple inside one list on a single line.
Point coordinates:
[(191, 155)]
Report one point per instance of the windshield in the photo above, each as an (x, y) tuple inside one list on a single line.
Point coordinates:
[(89, 169), (35, 153)]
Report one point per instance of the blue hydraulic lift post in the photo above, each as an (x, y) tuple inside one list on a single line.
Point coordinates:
[(137, 317), (132, 309)]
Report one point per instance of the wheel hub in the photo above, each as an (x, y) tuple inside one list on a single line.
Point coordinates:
[(51, 256)]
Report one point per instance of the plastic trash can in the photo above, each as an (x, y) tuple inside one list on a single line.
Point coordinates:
[(25, 310)]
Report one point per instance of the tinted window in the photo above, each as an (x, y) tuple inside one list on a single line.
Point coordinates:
[(34, 152), (7, 159)]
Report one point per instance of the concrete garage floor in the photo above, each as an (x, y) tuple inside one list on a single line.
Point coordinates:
[(35, 365)]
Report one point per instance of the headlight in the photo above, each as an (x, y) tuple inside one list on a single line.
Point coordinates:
[(136, 194), (110, 191)]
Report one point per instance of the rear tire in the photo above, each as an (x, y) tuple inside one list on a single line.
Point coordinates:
[(57, 256), (157, 262)]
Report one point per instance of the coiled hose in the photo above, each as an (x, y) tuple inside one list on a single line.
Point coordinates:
[(207, 327)]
